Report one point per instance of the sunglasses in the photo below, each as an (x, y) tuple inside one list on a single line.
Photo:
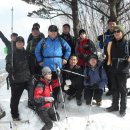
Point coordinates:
[(117, 31)]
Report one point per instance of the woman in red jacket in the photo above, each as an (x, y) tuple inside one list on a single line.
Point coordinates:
[(44, 100), (84, 48)]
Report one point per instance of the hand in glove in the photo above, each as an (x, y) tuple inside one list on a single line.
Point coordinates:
[(68, 82), (86, 47), (66, 87), (80, 55), (49, 99)]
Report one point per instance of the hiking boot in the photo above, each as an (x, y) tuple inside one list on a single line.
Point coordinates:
[(122, 113), (17, 119), (79, 102), (109, 93), (112, 109), (2, 114), (98, 102)]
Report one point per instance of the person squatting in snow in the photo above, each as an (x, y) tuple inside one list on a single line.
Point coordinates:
[(95, 80), (72, 83), (44, 100)]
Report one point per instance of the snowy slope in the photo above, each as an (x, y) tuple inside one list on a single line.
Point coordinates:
[(77, 115)]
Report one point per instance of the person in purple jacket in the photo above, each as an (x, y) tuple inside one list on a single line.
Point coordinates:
[(95, 80)]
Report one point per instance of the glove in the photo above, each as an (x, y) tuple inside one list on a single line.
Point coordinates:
[(80, 55), (86, 57), (66, 87), (86, 47), (68, 82), (49, 99)]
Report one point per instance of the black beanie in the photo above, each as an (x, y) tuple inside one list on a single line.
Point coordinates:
[(20, 38)]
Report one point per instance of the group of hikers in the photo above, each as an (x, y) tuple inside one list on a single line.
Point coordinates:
[(72, 64)]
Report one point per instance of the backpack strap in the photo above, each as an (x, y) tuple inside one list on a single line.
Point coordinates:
[(127, 48)]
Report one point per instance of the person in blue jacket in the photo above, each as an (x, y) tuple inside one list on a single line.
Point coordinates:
[(95, 80), (52, 52)]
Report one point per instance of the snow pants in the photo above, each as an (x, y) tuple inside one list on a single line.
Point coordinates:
[(16, 92), (108, 72), (95, 93), (47, 116), (119, 90)]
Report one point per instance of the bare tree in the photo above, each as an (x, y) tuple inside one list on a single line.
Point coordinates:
[(50, 9)]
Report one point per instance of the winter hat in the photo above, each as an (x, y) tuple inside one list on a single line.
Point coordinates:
[(82, 31), (92, 56), (20, 39), (46, 70), (53, 28), (119, 27)]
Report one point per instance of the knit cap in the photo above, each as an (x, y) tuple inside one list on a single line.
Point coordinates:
[(46, 70)]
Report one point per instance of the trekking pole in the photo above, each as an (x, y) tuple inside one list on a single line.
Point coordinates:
[(73, 72), (56, 116), (89, 111), (12, 46), (58, 73)]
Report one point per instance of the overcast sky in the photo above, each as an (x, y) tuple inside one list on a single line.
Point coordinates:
[(22, 23)]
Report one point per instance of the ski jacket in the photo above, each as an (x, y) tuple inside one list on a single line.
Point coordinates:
[(43, 89), (7, 43), (118, 56), (95, 76), (70, 40), (76, 80), (81, 51), (20, 69), (52, 51)]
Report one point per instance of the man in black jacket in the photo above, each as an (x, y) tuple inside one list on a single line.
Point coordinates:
[(69, 38), (36, 36), (118, 58), (72, 83), (19, 75)]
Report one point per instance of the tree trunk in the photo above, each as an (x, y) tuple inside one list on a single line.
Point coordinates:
[(76, 22), (113, 10)]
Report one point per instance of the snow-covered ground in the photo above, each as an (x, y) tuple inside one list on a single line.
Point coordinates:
[(77, 115)]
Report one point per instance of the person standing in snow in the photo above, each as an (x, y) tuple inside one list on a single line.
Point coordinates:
[(75, 87), (84, 48), (69, 38), (31, 45), (44, 100), (103, 43), (19, 75), (95, 80), (118, 58), (52, 52)]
